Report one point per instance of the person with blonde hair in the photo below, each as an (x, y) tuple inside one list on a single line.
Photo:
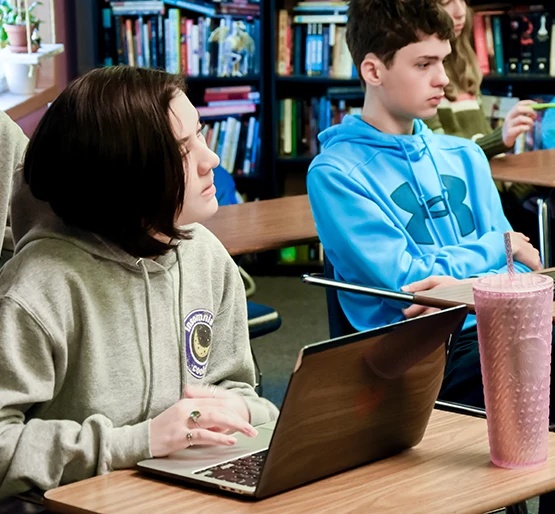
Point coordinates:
[(460, 113)]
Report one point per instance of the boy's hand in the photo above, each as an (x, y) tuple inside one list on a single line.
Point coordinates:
[(524, 252), (433, 282), (426, 284), (519, 119)]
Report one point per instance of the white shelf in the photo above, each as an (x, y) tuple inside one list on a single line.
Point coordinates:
[(44, 52), (18, 106)]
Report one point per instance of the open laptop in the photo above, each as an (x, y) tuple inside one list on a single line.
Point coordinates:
[(350, 401)]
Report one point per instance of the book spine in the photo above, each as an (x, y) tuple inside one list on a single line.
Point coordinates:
[(205, 112), (108, 42), (255, 146), (216, 97), (498, 45), (129, 40), (282, 42), (145, 28), (183, 47), (480, 43), (139, 41)]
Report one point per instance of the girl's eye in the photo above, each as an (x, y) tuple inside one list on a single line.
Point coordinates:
[(422, 66)]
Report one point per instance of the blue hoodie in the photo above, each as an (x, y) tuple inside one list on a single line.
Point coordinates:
[(394, 209)]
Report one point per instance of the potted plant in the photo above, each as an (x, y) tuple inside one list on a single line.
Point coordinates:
[(13, 25)]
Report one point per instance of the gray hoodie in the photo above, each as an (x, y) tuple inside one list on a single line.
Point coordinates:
[(95, 343)]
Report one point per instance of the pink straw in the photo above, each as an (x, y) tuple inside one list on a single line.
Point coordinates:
[(509, 254)]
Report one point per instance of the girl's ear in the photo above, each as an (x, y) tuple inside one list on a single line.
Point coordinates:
[(371, 70)]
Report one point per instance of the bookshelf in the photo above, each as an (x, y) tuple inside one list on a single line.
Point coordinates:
[(123, 23), (313, 83), (276, 169), (520, 84), (180, 36)]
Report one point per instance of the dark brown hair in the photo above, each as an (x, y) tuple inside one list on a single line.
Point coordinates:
[(461, 65), (104, 156), (383, 27)]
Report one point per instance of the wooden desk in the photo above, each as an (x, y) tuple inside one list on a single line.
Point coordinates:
[(449, 471), (535, 168), (265, 225), (462, 294)]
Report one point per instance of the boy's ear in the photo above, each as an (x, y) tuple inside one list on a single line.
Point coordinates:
[(371, 70)]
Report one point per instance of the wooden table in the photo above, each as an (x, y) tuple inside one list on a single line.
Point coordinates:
[(264, 225), (449, 471), (462, 294), (535, 168)]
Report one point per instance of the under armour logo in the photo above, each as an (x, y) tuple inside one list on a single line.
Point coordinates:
[(405, 198)]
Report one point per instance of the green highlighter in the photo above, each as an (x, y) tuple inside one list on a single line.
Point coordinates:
[(541, 107)]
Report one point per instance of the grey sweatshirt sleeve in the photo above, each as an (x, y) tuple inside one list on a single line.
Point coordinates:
[(12, 148), (45, 453), (235, 369)]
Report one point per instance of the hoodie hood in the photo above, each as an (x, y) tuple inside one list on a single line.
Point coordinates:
[(353, 129), (33, 220)]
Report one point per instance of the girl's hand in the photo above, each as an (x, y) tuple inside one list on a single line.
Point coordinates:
[(519, 119), (220, 412)]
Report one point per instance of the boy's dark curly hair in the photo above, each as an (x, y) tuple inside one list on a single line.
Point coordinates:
[(383, 27)]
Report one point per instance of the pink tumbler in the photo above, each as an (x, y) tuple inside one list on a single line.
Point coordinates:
[(514, 316)]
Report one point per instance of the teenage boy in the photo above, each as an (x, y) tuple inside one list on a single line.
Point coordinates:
[(396, 206)]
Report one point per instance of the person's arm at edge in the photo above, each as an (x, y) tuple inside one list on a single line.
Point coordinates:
[(13, 143)]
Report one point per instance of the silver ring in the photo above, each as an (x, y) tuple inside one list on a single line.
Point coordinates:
[(190, 438), (194, 416)]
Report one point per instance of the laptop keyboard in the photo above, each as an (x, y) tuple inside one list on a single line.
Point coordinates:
[(243, 471)]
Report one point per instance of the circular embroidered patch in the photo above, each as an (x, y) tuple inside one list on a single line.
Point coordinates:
[(198, 340)]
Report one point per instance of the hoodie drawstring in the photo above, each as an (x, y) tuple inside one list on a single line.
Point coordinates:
[(421, 195), (444, 191), (181, 342), (150, 375), (182, 354)]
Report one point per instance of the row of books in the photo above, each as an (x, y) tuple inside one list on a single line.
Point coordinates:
[(520, 41), (236, 141), (301, 120), (229, 101), (205, 7), (313, 45), (206, 46)]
